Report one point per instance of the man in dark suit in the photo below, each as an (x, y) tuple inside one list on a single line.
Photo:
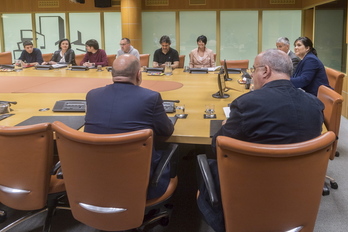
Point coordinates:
[(274, 113), (283, 44), (124, 106)]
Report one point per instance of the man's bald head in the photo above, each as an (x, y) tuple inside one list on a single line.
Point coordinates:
[(126, 68)]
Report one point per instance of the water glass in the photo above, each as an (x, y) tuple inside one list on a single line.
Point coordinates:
[(209, 111), (180, 111)]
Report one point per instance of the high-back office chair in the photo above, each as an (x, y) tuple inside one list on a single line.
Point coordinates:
[(181, 61), (270, 187), (236, 63), (5, 58), (106, 177), (79, 58), (47, 57), (332, 120), (335, 79), (26, 161), (144, 60), (111, 59)]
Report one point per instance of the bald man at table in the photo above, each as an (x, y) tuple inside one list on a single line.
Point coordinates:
[(124, 106)]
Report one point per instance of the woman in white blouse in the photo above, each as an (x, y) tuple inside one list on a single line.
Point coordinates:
[(64, 55)]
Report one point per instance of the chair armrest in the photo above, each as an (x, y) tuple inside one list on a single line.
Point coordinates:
[(208, 179), (57, 170), (165, 159)]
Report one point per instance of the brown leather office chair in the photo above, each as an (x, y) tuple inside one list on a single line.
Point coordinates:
[(111, 59), (106, 177), (236, 63), (332, 120), (26, 183), (79, 58), (5, 58), (335, 79), (144, 60), (181, 61), (270, 187), (47, 57)]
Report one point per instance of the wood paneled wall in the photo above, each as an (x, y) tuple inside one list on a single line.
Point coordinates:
[(32, 6)]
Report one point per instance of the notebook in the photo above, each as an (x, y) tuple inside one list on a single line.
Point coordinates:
[(75, 122)]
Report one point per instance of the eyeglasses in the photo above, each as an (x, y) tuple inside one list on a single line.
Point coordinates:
[(123, 44), (253, 69)]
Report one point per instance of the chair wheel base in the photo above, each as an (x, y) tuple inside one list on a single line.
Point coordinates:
[(326, 190), (334, 185), (337, 154), (3, 216)]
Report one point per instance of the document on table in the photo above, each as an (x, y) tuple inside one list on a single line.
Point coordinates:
[(227, 111)]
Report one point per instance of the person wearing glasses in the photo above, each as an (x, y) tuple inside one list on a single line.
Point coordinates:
[(127, 48), (276, 112), (310, 72), (165, 54)]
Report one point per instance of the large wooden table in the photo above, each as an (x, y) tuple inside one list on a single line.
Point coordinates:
[(195, 93)]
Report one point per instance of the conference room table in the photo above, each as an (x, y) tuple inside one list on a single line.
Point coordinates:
[(39, 89)]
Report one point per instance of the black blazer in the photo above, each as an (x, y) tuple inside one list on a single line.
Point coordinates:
[(69, 57)]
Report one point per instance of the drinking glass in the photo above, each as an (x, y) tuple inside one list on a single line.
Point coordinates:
[(180, 111), (17, 65), (99, 68), (209, 111)]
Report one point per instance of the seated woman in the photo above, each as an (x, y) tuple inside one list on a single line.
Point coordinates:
[(64, 55), (202, 57), (310, 72)]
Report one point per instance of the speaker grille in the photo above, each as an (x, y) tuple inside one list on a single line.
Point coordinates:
[(282, 1), (197, 2), (157, 3), (48, 4)]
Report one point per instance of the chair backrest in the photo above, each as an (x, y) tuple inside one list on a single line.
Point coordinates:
[(26, 159), (5, 58), (106, 175), (236, 63), (144, 60), (79, 58), (111, 59), (335, 79), (47, 57), (181, 61), (332, 112), (272, 187)]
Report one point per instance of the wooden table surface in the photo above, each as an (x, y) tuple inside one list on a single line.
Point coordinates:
[(195, 93)]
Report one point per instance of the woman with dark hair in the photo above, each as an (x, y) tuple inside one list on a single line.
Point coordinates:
[(64, 55), (310, 72), (202, 57)]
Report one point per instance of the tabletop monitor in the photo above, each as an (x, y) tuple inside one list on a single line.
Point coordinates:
[(222, 86), (226, 76)]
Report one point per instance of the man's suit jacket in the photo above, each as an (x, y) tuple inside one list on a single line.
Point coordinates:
[(278, 113), (124, 107), (310, 74), (295, 60)]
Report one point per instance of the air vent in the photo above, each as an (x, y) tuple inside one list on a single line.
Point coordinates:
[(157, 3), (48, 4), (282, 1), (197, 2)]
